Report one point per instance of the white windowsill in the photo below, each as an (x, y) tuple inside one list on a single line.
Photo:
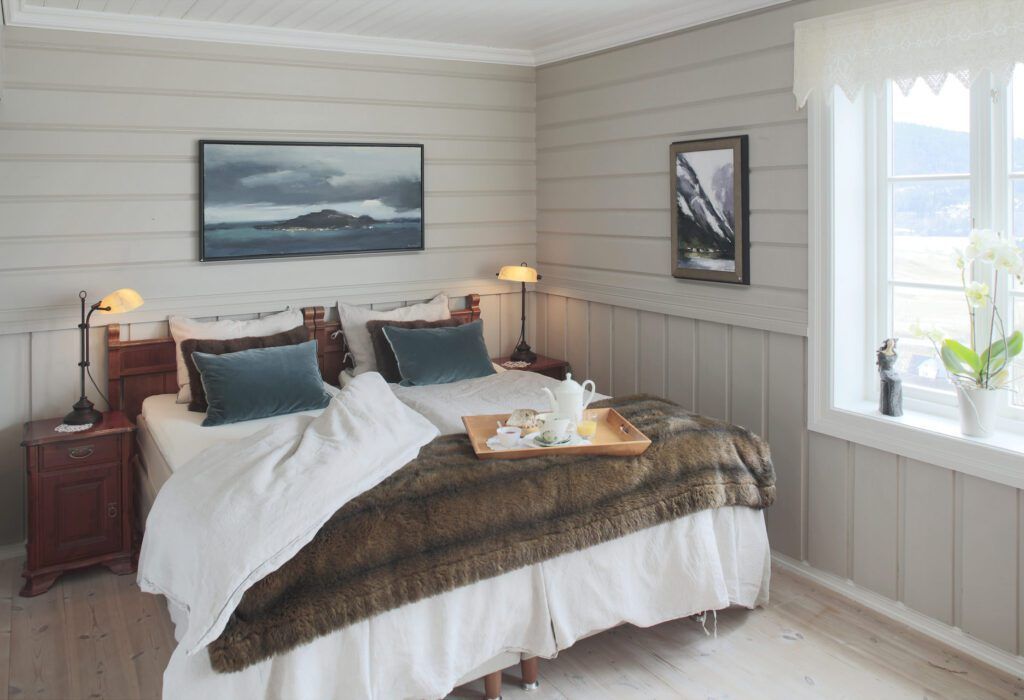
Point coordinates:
[(927, 437)]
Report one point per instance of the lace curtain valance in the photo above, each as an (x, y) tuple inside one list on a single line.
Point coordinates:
[(906, 41)]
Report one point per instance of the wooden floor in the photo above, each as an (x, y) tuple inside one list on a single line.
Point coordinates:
[(95, 635)]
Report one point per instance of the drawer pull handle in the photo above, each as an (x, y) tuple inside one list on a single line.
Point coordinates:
[(111, 510), (80, 452)]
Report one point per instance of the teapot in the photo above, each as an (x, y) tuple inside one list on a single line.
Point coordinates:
[(570, 398)]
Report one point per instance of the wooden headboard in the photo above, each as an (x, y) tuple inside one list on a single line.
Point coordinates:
[(137, 369)]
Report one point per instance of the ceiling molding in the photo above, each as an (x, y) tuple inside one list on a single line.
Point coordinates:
[(686, 16), (18, 13)]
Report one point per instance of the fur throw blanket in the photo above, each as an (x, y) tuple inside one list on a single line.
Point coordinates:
[(448, 519)]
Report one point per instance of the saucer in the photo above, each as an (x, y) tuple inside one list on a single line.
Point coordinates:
[(571, 440)]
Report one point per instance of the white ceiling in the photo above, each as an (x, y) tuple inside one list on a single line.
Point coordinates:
[(521, 32)]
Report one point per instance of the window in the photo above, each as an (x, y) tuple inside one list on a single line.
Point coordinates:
[(946, 163)]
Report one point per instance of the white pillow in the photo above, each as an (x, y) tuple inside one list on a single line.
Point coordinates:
[(184, 328), (354, 319)]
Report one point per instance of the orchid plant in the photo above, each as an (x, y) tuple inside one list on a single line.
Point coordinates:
[(988, 368)]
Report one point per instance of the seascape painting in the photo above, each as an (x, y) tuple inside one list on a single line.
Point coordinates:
[(709, 210), (262, 199)]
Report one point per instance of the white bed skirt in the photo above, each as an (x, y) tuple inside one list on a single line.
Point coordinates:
[(705, 561)]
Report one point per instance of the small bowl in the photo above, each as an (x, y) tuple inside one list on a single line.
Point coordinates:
[(508, 436)]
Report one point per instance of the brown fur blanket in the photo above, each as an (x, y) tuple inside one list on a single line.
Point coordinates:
[(448, 519)]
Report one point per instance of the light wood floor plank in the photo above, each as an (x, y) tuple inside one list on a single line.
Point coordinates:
[(96, 635), (10, 580), (38, 650)]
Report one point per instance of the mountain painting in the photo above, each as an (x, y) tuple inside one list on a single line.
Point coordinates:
[(262, 199), (709, 210)]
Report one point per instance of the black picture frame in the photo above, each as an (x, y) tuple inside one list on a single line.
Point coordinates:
[(205, 254), (707, 203)]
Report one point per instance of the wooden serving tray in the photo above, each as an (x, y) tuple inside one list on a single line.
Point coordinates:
[(615, 436)]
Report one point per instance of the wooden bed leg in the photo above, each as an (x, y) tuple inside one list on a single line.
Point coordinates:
[(492, 686), (531, 673)]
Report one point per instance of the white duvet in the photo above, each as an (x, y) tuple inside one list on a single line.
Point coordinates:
[(240, 510)]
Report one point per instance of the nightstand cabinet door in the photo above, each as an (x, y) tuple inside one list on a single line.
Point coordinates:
[(80, 512)]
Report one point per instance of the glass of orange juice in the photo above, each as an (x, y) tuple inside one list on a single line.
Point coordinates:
[(587, 427)]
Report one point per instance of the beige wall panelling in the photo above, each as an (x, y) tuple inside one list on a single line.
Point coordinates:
[(555, 337), (577, 338), (652, 353), (988, 520), (747, 385), (713, 369), (600, 347), (875, 477), (15, 409), (490, 312), (787, 435), (625, 326), (828, 504), (680, 362), (928, 523)]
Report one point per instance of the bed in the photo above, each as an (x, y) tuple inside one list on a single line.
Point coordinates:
[(707, 560)]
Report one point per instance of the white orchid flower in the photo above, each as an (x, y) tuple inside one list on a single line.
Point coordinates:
[(959, 259), (1006, 256), (929, 331), (977, 294), (980, 244)]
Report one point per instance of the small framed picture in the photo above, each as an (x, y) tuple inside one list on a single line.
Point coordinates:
[(710, 210)]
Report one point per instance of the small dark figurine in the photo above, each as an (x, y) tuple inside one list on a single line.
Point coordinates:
[(890, 399)]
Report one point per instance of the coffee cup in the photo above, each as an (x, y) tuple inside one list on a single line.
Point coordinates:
[(508, 436)]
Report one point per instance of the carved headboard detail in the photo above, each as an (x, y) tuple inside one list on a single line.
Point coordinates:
[(137, 369)]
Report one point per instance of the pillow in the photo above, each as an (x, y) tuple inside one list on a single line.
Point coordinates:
[(440, 355), (296, 335), (261, 382), (354, 319), (382, 352), (184, 328)]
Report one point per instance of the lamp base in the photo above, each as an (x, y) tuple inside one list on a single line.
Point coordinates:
[(523, 353), (83, 413)]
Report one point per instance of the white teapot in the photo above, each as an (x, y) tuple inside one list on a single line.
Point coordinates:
[(570, 398)]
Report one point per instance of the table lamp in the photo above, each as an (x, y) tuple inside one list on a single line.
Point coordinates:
[(119, 302), (521, 273)]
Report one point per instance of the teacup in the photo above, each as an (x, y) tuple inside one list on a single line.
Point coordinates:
[(553, 427), (508, 436)]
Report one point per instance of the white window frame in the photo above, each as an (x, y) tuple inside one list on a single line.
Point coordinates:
[(838, 402)]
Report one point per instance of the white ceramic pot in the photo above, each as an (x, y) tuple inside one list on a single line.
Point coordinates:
[(977, 410)]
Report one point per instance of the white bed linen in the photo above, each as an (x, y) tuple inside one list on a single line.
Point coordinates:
[(238, 511), (703, 561)]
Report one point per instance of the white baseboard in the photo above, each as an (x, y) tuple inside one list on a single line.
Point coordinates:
[(12, 551), (930, 627)]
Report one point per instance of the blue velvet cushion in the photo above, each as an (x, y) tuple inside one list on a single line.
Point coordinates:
[(261, 382), (439, 355)]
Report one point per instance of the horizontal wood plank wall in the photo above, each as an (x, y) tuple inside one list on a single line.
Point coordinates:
[(98, 190), (947, 546)]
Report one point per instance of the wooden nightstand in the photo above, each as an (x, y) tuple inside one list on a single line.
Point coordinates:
[(548, 366), (80, 498)]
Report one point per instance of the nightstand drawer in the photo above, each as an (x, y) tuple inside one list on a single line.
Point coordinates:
[(97, 450)]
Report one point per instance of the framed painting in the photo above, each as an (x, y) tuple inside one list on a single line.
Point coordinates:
[(710, 210), (263, 199)]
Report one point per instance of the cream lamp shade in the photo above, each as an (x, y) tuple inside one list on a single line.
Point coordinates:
[(120, 301), (518, 273)]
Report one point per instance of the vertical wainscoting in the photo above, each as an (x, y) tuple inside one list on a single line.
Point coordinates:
[(751, 377), (944, 544)]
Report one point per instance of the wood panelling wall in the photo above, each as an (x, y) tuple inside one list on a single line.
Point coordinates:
[(98, 190), (947, 545)]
